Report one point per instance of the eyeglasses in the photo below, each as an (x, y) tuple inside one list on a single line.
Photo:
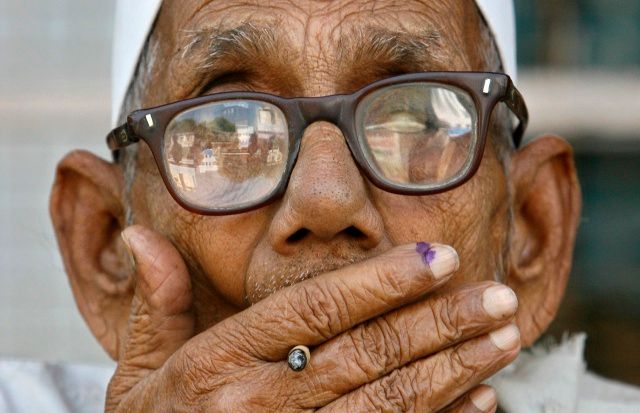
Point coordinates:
[(413, 134)]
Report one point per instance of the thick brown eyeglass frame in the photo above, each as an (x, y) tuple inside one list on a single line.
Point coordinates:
[(486, 90)]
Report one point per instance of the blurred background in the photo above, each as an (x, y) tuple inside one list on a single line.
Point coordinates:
[(580, 63), (580, 75)]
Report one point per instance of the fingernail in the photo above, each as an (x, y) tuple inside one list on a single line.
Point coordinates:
[(441, 259), (127, 245), (506, 338), (484, 398), (499, 301)]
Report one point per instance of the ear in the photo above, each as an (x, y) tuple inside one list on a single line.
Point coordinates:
[(87, 213), (547, 206)]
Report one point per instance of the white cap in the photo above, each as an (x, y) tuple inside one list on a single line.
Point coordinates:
[(501, 19), (134, 19)]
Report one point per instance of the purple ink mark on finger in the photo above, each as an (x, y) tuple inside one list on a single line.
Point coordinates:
[(427, 253), (422, 247), (431, 255)]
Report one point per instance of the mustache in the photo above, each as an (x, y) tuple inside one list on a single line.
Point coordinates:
[(295, 271)]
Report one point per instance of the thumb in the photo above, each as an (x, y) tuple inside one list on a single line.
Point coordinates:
[(160, 320)]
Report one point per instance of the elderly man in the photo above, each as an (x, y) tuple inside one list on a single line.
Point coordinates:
[(317, 205)]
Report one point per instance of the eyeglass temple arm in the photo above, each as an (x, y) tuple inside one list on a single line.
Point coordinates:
[(515, 102), (121, 137)]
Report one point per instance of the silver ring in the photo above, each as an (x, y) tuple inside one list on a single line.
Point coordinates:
[(298, 358)]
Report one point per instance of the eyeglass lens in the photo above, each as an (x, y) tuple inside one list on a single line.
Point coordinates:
[(418, 134), (226, 154), (233, 153)]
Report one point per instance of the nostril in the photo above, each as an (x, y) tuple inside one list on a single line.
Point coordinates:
[(302, 233), (354, 232), (298, 235)]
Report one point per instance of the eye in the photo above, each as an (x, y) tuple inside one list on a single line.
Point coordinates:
[(402, 111), (402, 122), (417, 133)]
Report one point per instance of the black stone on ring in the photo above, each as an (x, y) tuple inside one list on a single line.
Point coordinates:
[(298, 358)]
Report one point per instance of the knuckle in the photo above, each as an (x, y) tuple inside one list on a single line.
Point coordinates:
[(201, 384), (240, 338), (322, 308), (379, 345), (445, 315), (389, 282), (396, 392), (460, 370)]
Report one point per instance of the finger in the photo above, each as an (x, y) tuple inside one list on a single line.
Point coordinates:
[(160, 320), (430, 384), (319, 308), (381, 345), (482, 399)]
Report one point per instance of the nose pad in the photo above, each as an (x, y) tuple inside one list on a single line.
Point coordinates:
[(326, 199)]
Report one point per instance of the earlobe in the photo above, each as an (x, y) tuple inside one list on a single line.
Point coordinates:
[(87, 215), (545, 220)]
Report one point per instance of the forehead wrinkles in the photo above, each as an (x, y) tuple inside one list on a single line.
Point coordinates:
[(228, 13), (186, 23), (323, 23), (318, 29), (439, 18), (430, 34)]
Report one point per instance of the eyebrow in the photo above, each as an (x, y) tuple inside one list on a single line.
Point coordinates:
[(362, 53), (246, 49), (374, 52), (215, 43), (377, 43)]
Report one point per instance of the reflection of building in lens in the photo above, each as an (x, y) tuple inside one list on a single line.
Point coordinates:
[(244, 135), (211, 149), (237, 112), (209, 162), (262, 141), (181, 160), (274, 157), (183, 176), (180, 147), (267, 121)]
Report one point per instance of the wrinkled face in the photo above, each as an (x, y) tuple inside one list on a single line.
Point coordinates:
[(330, 215)]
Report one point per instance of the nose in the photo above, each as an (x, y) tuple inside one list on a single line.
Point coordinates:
[(327, 198)]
